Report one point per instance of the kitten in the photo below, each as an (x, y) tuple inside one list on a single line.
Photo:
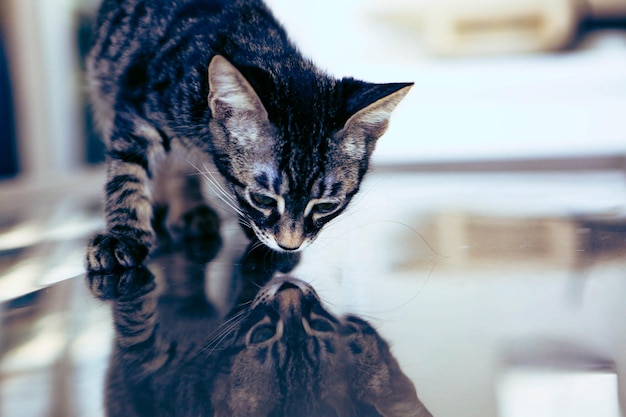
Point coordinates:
[(284, 354), (180, 83)]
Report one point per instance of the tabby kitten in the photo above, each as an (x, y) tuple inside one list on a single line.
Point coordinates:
[(178, 84), (284, 355)]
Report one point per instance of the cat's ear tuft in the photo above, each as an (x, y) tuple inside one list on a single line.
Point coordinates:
[(396, 397), (372, 105), (230, 93)]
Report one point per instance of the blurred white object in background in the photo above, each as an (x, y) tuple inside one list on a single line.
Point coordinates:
[(538, 392), (481, 27), (461, 27)]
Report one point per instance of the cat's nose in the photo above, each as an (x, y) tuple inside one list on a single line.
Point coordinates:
[(289, 302), (287, 285), (288, 248), (290, 237)]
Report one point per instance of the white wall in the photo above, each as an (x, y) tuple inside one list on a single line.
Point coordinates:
[(495, 107)]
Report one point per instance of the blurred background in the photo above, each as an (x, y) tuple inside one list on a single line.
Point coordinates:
[(488, 244)]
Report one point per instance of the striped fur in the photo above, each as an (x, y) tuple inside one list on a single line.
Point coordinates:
[(283, 355), (177, 84)]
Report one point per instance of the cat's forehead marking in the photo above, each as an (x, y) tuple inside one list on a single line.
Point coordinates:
[(281, 184), (262, 180), (318, 188), (332, 185), (267, 177), (327, 186), (335, 189)]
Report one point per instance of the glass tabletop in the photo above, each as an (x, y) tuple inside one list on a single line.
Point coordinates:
[(495, 293)]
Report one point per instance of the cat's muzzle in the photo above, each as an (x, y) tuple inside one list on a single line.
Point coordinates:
[(282, 283)]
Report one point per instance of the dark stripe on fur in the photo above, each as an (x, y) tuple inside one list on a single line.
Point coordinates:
[(355, 347), (330, 347), (262, 180), (120, 181), (261, 355), (165, 140), (122, 214), (124, 194), (130, 231), (135, 155)]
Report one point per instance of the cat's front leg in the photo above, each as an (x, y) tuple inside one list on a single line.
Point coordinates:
[(128, 209), (128, 284)]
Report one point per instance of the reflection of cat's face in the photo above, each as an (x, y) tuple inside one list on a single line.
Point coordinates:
[(290, 357), (284, 358)]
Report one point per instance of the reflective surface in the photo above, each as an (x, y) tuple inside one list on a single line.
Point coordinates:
[(487, 286), (279, 353)]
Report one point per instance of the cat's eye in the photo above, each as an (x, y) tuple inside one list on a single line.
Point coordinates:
[(320, 325), (263, 333), (262, 200), (347, 330), (325, 207)]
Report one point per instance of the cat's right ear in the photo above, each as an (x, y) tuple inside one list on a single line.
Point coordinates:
[(371, 106), (230, 94)]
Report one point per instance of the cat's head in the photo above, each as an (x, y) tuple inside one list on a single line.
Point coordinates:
[(290, 357), (294, 154)]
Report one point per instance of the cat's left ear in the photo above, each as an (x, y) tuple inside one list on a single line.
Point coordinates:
[(230, 94), (374, 104)]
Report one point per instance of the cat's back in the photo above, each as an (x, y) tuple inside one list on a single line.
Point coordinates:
[(145, 48), (233, 28), (126, 27)]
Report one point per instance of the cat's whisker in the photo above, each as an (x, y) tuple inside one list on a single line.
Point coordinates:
[(222, 195), (255, 245), (325, 244), (217, 184), (254, 284), (246, 303), (233, 206), (244, 222), (221, 332), (230, 319), (333, 223), (217, 188), (226, 207), (211, 347)]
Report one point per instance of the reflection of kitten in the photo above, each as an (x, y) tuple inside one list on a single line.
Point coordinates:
[(215, 79), (283, 355), (297, 359)]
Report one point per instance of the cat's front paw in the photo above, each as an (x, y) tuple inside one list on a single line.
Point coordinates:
[(116, 285), (109, 252)]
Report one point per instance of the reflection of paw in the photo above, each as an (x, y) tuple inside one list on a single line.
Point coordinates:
[(199, 223), (126, 283), (198, 232), (110, 252), (202, 250)]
